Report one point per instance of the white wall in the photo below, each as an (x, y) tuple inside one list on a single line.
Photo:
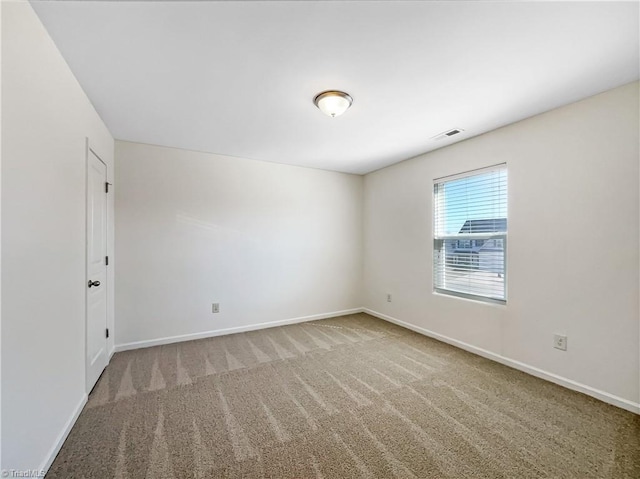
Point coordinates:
[(573, 243), (269, 242), (45, 120)]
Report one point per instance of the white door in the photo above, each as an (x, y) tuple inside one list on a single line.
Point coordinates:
[(96, 268)]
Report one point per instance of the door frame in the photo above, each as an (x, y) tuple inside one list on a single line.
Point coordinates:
[(88, 151)]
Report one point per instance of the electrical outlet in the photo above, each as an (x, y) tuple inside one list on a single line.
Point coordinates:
[(560, 342), (215, 308), (388, 297)]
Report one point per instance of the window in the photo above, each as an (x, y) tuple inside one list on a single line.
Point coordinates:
[(470, 234)]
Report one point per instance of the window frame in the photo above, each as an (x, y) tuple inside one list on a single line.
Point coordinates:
[(467, 236)]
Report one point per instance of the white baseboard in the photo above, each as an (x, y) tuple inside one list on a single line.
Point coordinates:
[(554, 378), (532, 370), (63, 435), (239, 329)]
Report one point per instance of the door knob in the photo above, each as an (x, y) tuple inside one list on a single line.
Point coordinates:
[(94, 283)]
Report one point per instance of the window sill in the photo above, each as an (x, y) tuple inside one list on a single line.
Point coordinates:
[(502, 304)]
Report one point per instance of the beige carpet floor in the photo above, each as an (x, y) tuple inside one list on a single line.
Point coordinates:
[(349, 397)]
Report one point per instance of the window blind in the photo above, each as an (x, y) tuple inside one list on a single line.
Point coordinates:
[(470, 234)]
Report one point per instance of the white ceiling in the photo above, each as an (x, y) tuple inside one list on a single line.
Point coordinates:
[(238, 78)]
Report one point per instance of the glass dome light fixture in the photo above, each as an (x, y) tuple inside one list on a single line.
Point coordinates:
[(332, 102)]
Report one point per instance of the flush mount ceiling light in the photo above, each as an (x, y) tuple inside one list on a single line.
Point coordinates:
[(333, 103)]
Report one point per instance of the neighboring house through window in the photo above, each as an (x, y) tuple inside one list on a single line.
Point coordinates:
[(470, 234)]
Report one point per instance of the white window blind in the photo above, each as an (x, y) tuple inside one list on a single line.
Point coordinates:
[(470, 234)]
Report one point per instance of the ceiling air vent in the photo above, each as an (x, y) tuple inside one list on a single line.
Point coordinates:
[(447, 134)]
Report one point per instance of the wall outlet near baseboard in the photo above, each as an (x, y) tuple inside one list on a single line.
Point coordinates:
[(215, 308), (388, 297), (560, 342)]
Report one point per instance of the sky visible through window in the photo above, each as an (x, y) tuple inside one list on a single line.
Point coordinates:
[(477, 197)]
